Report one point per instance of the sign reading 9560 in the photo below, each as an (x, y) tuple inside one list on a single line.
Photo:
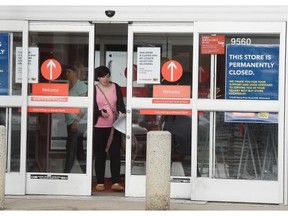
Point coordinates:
[(241, 41)]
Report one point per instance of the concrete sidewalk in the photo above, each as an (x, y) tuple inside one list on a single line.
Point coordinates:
[(119, 202)]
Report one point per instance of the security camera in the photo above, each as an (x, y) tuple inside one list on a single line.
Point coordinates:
[(110, 13)]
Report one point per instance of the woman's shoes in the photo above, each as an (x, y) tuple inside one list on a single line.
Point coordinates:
[(117, 187), (100, 187)]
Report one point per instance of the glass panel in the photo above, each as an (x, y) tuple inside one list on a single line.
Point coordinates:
[(246, 66), (246, 146), (11, 119), (141, 125), (160, 60), (180, 128), (203, 143), (48, 147), (10, 63), (70, 50)]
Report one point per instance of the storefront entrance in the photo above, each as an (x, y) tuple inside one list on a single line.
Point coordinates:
[(35, 118), (216, 87)]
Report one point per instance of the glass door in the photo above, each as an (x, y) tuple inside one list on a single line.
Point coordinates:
[(13, 99), (217, 88), (60, 88), (159, 83), (239, 114)]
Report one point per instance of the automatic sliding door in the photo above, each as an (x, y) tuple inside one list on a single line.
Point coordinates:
[(59, 139), (241, 148)]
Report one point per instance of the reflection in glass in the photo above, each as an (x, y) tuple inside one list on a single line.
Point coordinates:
[(11, 119), (46, 144), (69, 49), (203, 143), (177, 47), (180, 128), (243, 149)]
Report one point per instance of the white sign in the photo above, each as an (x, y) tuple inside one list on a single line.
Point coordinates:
[(33, 65), (116, 61), (148, 65), (58, 132), (97, 59)]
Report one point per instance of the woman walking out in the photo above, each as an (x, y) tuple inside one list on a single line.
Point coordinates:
[(108, 102)]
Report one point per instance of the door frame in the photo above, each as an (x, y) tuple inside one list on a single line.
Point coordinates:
[(209, 189), (75, 184), (136, 184), (256, 191), (15, 181)]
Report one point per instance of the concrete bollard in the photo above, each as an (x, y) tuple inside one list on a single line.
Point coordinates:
[(2, 165), (158, 164)]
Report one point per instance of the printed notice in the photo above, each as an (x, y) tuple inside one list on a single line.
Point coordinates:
[(213, 44), (148, 65), (252, 72), (253, 117), (33, 69)]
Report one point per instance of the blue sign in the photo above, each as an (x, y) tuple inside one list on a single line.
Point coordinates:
[(252, 72), (4, 63)]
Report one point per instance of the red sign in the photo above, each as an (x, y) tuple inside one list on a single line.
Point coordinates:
[(164, 112), (54, 99), (213, 44), (172, 71), (171, 91), (50, 89), (53, 110), (51, 69), (170, 101)]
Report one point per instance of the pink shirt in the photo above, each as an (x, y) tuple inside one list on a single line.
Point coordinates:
[(103, 104)]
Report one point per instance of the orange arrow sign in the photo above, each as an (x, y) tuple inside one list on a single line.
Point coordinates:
[(172, 71), (51, 69)]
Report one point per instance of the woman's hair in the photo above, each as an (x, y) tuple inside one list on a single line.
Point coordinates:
[(69, 67), (81, 70), (102, 71), (77, 67)]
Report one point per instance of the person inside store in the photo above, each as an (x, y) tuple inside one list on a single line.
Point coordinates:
[(108, 103), (76, 122)]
